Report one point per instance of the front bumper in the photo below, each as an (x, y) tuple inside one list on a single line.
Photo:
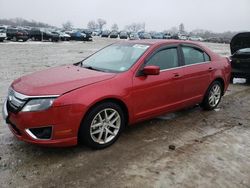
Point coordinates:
[(4, 110), (64, 120)]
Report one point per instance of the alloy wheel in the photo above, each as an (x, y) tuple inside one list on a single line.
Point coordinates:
[(105, 126), (214, 95)]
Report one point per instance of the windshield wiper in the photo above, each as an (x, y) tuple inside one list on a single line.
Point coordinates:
[(92, 68)]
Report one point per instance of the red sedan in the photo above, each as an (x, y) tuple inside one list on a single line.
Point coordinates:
[(124, 83)]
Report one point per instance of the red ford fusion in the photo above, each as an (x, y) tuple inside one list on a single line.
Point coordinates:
[(124, 83)]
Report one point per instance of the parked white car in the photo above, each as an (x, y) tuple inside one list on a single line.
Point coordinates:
[(183, 37), (2, 35), (196, 38)]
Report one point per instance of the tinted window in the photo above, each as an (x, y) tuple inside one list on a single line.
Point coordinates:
[(207, 58), (165, 59), (193, 56)]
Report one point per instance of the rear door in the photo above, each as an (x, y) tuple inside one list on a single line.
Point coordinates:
[(197, 72)]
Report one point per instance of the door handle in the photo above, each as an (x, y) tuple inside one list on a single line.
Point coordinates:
[(177, 75), (210, 69)]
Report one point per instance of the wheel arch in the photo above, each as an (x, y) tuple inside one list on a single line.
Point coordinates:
[(113, 100), (221, 80)]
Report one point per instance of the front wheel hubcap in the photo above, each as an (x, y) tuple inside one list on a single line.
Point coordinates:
[(105, 126), (214, 95)]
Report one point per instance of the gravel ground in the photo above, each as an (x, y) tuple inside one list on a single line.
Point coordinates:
[(212, 149)]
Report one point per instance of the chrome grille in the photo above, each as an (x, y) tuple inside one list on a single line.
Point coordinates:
[(14, 104)]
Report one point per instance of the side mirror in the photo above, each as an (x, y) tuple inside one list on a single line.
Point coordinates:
[(151, 70)]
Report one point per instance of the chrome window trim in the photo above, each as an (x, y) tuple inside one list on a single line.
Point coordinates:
[(185, 66), (24, 97)]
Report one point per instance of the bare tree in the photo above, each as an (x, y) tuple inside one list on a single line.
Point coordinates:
[(22, 22), (67, 25), (92, 25), (173, 30), (101, 23), (115, 27), (135, 27)]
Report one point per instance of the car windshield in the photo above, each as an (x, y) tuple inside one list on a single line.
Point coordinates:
[(115, 58)]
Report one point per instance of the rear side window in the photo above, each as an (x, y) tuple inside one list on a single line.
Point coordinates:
[(194, 56), (207, 58), (165, 59)]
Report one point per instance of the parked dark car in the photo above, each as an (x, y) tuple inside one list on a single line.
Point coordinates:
[(17, 34), (145, 35), (157, 36), (62, 36), (175, 36), (39, 35), (123, 35), (213, 39), (114, 34), (88, 35), (240, 50), (76, 35), (105, 33)]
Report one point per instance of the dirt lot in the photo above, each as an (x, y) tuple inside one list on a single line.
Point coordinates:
[(212, 148)]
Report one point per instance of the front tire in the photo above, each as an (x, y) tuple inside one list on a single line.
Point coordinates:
[(213, 96), (102, 125)]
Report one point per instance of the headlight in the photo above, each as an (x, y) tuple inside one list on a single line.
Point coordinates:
[(38, 104)]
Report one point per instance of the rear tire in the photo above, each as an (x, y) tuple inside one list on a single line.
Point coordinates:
[(213, 96), (102, 125)]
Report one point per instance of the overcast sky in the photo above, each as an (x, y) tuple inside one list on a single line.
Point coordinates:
[(215, 15)]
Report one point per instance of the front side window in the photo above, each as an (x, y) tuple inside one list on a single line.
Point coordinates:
[(115, 58), (194, 56), (165, 59)]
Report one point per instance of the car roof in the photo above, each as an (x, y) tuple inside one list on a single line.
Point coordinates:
[(161, 42)]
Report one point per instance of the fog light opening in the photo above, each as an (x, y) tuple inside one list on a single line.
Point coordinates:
[(41, 133)]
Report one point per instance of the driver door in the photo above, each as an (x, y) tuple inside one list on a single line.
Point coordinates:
[(154, 94)]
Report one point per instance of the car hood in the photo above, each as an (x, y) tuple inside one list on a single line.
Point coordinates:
[(240, 41), (58, 80)]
